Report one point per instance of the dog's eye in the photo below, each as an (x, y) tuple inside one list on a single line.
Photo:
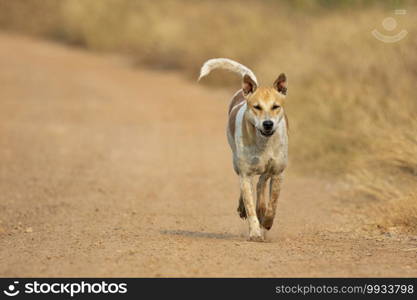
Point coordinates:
[(275, 106), (257, 107)]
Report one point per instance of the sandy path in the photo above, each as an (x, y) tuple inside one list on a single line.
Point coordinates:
[(110, 171)]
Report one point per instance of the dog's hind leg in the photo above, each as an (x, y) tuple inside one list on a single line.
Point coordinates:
[(241, 208), (255, 233), (275, 189), (261, 196)]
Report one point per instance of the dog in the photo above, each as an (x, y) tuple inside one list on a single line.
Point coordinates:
[(257, 133)]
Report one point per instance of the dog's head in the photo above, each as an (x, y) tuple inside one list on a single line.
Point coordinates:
[(265, 104)]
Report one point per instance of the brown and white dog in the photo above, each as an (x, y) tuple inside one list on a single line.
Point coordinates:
[(257, 132)]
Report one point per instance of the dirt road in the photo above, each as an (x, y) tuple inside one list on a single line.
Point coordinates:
[(110, 171)]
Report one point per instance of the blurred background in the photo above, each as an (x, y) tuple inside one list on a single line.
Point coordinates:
[(352, 96)]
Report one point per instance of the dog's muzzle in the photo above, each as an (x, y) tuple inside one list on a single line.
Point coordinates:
[(267, 128)]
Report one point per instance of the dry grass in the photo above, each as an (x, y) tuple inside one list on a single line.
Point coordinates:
[(387, 176), (352, 98)]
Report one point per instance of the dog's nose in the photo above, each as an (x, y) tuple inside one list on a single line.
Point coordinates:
[(268, 125)]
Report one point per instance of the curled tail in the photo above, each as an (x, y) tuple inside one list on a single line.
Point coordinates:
[(227, 64)]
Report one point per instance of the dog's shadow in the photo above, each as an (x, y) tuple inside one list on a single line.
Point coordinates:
[(199, 234)]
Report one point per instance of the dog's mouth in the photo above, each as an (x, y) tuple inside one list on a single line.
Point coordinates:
[(267, 133)]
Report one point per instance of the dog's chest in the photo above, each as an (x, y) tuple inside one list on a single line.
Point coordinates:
[(269, 159)]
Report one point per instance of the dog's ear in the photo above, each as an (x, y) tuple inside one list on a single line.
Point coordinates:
[(248, 85), (281, 84)]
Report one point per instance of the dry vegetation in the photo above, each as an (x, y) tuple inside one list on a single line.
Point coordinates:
[(352, 98)]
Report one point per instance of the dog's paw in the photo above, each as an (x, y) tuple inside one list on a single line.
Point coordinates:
[(256, 235), (256, 238), (267, 223)]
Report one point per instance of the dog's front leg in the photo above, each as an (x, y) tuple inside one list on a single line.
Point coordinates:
[(261, 196), (255, 233), (275, 189)]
